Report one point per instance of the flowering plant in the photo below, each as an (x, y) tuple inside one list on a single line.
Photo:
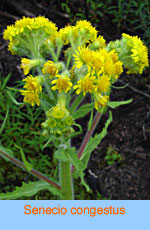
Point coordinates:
[(67, 65)]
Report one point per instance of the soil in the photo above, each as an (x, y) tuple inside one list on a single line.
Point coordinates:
[(129, 133)]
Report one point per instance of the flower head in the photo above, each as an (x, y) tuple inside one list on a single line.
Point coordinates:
[(50, 68), (85, 85), (86, 30), (82, 56), (62, 83), (137, 54), (30, 97), (100, 100), (99, 43), (103, 83), (9, 32), (27, 64), (32, 84), (32, 90), (65, 33)]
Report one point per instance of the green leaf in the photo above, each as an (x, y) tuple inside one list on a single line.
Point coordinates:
[(13, 99), (72, 156), (60, 154), (94, 142), (3, 125), (5, 150), (83, 110), (90, 121), (28, 165), (6, 80), (45, 105), (27, 190), (120, 87), (114, 104), (76, 102)]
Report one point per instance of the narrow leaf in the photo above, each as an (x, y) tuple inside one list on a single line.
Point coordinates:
[(26, 163), (95, 141), (90, 121), (83, 110), (120, 87), (6, 80), (114, 104), (13, 99), (3, 125)]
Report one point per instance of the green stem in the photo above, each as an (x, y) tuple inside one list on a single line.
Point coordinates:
[(66, 180), (54, 57), (69, 60), (58, 52)]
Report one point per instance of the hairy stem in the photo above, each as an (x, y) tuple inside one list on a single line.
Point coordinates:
[(66, 180), (88, 134)]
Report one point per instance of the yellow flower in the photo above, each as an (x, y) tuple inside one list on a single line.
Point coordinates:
[(109, 67), (11, 47), (99, 43), (85, 28), (100, 100), (32, 90), (82, 56), (32, 84), (96, 61), (23, 23), (30, 97), (50, 68), (65, 33), (139, 53), (62, 83), (9, 32), (113, 55), (118, 68), (85, 85), (27, 64), (103, 83)]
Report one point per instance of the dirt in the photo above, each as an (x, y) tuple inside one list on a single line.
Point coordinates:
[(129, 133)]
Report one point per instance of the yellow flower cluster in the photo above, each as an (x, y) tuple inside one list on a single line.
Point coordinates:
[(101, 61), (19, 34), (29, 24), (83, 30), (91, 66), (103, 68), (132, 52), (32, 90), (139, 53)]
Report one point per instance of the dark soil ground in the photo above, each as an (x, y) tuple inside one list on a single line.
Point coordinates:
[(129, 133)]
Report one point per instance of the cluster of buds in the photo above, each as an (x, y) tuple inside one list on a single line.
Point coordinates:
[(59, 121)]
